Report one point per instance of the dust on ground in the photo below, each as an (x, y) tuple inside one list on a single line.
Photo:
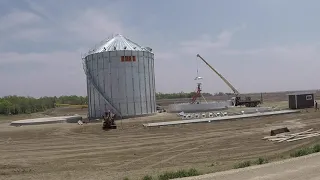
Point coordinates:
[(71, 151)]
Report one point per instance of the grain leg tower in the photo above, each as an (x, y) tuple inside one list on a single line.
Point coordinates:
[(120, 78)]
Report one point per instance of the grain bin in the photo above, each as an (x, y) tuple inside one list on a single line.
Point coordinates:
[(120, 78)]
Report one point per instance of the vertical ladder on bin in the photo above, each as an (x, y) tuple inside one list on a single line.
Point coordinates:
[(114, 109)]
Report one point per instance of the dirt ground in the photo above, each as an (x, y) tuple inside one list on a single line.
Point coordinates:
[(71, 151), (301, 168)]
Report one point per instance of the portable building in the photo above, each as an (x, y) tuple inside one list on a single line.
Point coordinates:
[(301, 100)]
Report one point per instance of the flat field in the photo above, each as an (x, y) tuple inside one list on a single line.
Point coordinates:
[(71, 151)]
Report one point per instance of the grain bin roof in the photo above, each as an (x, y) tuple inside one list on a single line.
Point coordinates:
[(118, 42)]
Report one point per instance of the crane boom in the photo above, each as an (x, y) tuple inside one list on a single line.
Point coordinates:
[(224, 79)]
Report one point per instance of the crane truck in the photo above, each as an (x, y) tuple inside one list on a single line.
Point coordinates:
[(237, 100)]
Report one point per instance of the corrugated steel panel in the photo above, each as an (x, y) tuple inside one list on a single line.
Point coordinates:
[(128, 85), (118, 43)]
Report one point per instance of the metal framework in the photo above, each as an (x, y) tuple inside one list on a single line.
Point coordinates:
[(198, 94), (95, 85), (235, 91)]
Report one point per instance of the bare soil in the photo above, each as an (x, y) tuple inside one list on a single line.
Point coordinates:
[(71, 151), (301, 168)]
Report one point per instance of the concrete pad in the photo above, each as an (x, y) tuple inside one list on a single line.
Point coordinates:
[(47, 120), (220, 118)]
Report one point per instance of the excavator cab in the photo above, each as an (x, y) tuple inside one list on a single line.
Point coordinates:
[(108, 121), (236, 100)]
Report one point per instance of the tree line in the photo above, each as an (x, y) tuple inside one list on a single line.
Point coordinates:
[(178, 95), (25, 105), (11, 105)]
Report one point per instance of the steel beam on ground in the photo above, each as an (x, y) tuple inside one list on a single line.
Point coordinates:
[(220, 118)]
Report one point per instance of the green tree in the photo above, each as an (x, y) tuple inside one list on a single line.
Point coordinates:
[(178, 95), (25, 105)]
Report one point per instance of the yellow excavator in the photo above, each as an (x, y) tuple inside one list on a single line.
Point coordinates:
[(237, 101)]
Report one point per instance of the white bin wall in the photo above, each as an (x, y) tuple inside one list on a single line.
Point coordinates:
[(130, 86), (186, 107)]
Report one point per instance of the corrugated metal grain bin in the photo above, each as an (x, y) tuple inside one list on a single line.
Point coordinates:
[(301, 100), (120, 78)]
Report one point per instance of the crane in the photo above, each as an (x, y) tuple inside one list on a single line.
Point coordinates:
[(237, 100), (235, 91)]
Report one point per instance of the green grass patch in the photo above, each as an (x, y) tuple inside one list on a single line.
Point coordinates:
[(301, 152), (174, 174), (242, 164), (147, 177), (306, 151), (179, 174), (73, 106), (193, 172), (316, 148), (62, 105), (261, 160)]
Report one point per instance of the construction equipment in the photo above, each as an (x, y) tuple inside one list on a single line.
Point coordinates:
[(197, 94), (108, 121), (237, 101), (279, 131), (160, 109)]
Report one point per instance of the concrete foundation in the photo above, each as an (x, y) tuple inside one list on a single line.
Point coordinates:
[(203, 107), (219, 118), (48, 120), (258, 109)]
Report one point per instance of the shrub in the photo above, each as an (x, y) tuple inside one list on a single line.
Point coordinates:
[(301, 152), (243, 164), (261, 161), (316, 148), (147, 177), (179, 174)]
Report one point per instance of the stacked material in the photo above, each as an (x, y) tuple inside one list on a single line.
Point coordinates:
[(201, 115), (289, 137), (202, 120), (47, 120)]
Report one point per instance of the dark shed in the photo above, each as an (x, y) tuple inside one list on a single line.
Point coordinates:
[(301, 100)]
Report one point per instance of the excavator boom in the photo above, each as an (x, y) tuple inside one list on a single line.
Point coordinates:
[(224, 79)]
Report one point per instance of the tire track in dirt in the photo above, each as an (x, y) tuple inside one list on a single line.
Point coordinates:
[(172, 157), (205, 141), (258, 150), (195, 139), (152, 155), (97, 151)]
